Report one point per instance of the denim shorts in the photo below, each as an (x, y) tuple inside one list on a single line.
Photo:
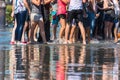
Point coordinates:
[(55, 18), (36, 17)]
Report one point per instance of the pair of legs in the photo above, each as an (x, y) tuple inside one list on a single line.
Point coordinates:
[(75, 14), (108, 30), (25, 29), (20, 21), (36, 19), (91, 17), (80, 24), (108, 27), (73, 32), (23, 34), (54, 25)]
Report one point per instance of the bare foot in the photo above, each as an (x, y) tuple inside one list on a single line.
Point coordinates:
[(115, 40), (84, 42)]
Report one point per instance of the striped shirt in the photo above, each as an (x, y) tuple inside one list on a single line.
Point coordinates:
[(19, 6), (75, 5)]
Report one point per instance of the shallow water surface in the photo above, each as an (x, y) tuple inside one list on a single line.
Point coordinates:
[(58, 62)]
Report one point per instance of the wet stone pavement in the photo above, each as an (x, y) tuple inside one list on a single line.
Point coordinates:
[(58, 62)]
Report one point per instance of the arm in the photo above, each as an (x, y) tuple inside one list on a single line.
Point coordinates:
[(116, 4), (99, 7), (47, 1), (36, 2), (12, 14), (65, 1), (26, 5)]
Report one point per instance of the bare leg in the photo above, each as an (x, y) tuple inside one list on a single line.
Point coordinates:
[(31, 32), (13, 32), (42, 31), (110, 30), (82, 32), (67, 33), (62, 29), (24, 30), (106, 30), (116, 32), (35, 33), (72, 32), (54, 31)]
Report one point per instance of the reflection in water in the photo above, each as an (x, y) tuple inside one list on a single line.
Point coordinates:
[(60, 62)]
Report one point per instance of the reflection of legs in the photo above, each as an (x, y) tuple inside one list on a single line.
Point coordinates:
[(42, 31), (105, 69), (82, 56), (80, 24), (60, 74), (72, 56), (24, 56), (66, 57)]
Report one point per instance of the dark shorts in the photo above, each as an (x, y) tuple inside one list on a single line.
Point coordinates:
[(108, 18), (75, 14), (63, 16)]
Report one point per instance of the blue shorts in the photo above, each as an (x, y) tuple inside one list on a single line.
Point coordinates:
[(55, 18)]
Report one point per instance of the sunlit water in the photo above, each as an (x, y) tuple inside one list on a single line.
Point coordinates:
[(58, 62)]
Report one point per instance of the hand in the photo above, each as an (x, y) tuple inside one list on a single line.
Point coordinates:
[(112, 7), (12, 14), (29, 11), (97, 15)]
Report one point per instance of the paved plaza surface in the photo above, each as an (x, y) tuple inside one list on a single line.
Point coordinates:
[(98, 61)]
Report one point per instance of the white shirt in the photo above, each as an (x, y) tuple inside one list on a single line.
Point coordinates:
[(75, 5)]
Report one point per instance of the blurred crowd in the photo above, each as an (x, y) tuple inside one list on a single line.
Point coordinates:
[(86, 21)]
